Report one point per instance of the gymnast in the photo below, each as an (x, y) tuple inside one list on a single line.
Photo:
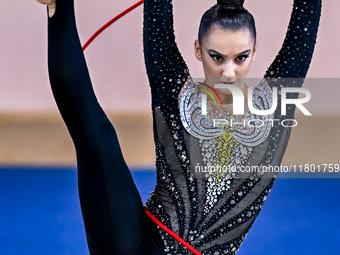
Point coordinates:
[(186, 213)]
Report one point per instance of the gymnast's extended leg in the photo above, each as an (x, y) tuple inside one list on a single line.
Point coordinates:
[(113, 212)]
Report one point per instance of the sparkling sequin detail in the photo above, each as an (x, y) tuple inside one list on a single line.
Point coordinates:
[(207, 126), (214, 213)]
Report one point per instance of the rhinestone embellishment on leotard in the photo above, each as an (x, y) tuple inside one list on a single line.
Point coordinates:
[(180, 200), (223, 147), (245, 130)]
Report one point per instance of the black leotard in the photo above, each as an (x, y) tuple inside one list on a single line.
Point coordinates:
[(213, 218), (113, 213)]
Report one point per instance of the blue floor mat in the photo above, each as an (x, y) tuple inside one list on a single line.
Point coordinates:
[(40, 215)]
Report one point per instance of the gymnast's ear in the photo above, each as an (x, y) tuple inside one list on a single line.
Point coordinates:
[(254, 52), (198, 52)]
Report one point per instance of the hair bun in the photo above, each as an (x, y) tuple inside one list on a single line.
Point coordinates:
[(231, 3)]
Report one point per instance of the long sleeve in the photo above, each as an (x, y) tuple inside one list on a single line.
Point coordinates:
[(165, 66), (294, 57)]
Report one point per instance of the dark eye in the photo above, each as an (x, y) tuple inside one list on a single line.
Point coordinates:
[(217, 58), (242, 58)]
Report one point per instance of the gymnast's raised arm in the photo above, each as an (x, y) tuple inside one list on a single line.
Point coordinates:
[(165, 66), (294, 57)]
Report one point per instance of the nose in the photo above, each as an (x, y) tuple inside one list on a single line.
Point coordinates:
[(229, 70)]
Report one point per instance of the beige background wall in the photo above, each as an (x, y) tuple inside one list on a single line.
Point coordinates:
[(27, 109), (115, 59)]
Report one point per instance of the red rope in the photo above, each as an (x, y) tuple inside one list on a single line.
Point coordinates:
[(173, 234), (111, 22)]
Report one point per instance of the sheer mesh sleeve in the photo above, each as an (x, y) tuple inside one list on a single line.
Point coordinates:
[(294, 57), (165, 66)]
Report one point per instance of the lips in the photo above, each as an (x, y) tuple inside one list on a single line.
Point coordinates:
[(229, 83)]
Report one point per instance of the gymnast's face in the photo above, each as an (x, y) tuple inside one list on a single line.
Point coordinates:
[(226, 57)]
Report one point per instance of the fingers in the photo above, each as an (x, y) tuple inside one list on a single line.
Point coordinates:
[(46, 2)]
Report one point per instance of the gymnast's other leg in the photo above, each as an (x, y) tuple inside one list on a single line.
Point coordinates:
[(113, 213)]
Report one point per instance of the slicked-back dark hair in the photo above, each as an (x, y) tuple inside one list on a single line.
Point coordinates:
[(229, 15)]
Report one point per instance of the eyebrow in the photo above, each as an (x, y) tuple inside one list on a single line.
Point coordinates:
[(218, 53)]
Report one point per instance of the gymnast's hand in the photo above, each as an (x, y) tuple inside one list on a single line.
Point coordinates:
[(51, 6), (44, 1)]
